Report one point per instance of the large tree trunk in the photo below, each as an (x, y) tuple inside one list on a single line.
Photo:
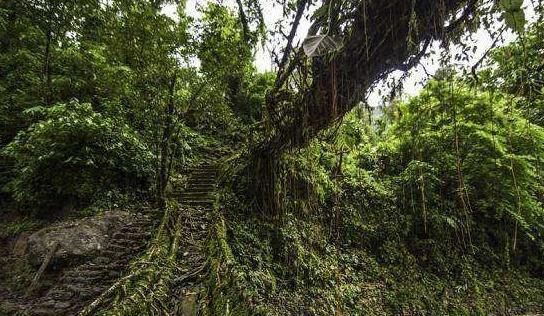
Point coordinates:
[(376, 42)]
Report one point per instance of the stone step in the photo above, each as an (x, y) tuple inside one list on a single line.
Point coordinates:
[(61, 294), (85, 273), (202, 167), (198, 202), (102, 260), (196, 194), (142, 235), (113, 253), (128, 242), (194, 181), (121, 258), (101, 267), (46, 311), (200, 187), (204, 209), (203, 175), (123, 248), (208, 185), (87, 291), (197, 189), (191, 197), (131, 229), (208, 169), (80, 280), (143, 222), (197, 198)]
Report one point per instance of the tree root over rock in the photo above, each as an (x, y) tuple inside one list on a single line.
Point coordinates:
[(146, 289)]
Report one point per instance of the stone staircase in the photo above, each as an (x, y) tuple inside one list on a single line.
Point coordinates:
[(80, 285), (200, 187), (196, 201)]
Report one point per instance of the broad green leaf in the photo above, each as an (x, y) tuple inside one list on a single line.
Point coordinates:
[(513, 14)]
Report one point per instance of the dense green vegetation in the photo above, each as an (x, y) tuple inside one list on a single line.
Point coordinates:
[(436, 206), (439, 212), (74, 153), (113, 80)]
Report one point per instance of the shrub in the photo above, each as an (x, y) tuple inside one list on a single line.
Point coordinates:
[(73, 155), (467, 168)]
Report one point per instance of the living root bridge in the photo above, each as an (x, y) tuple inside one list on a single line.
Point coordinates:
[(146, 288), (378, 38), (158, 282)]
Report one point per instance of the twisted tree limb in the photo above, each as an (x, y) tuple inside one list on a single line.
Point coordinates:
[(377, 38)]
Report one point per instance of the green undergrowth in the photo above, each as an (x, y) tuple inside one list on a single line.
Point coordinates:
[(13, 227), (437, 212), (258, 270)]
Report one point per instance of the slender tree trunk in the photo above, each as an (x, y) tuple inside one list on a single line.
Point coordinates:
[(165, 144), (47, 66), (337, 173), (47, 53)]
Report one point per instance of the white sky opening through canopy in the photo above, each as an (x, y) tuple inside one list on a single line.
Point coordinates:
[(412, 82)]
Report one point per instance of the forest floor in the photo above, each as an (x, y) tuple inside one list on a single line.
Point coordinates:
[(66, 291), (311, 277)]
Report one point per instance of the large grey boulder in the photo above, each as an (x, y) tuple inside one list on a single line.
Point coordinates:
[(77, 239)]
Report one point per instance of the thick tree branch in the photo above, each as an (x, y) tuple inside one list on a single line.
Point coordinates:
[(378, 38), (340, 81)]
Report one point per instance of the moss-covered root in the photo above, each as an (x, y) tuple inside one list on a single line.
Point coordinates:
[(224, 296), (145, 289)]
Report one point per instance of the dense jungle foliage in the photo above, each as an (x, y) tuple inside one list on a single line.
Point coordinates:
[(433, 206)]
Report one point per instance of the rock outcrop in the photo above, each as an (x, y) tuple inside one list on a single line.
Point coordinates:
[(77, 239), (79, 285)]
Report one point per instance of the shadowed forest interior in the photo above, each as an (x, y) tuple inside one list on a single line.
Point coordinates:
[(283, 157)]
